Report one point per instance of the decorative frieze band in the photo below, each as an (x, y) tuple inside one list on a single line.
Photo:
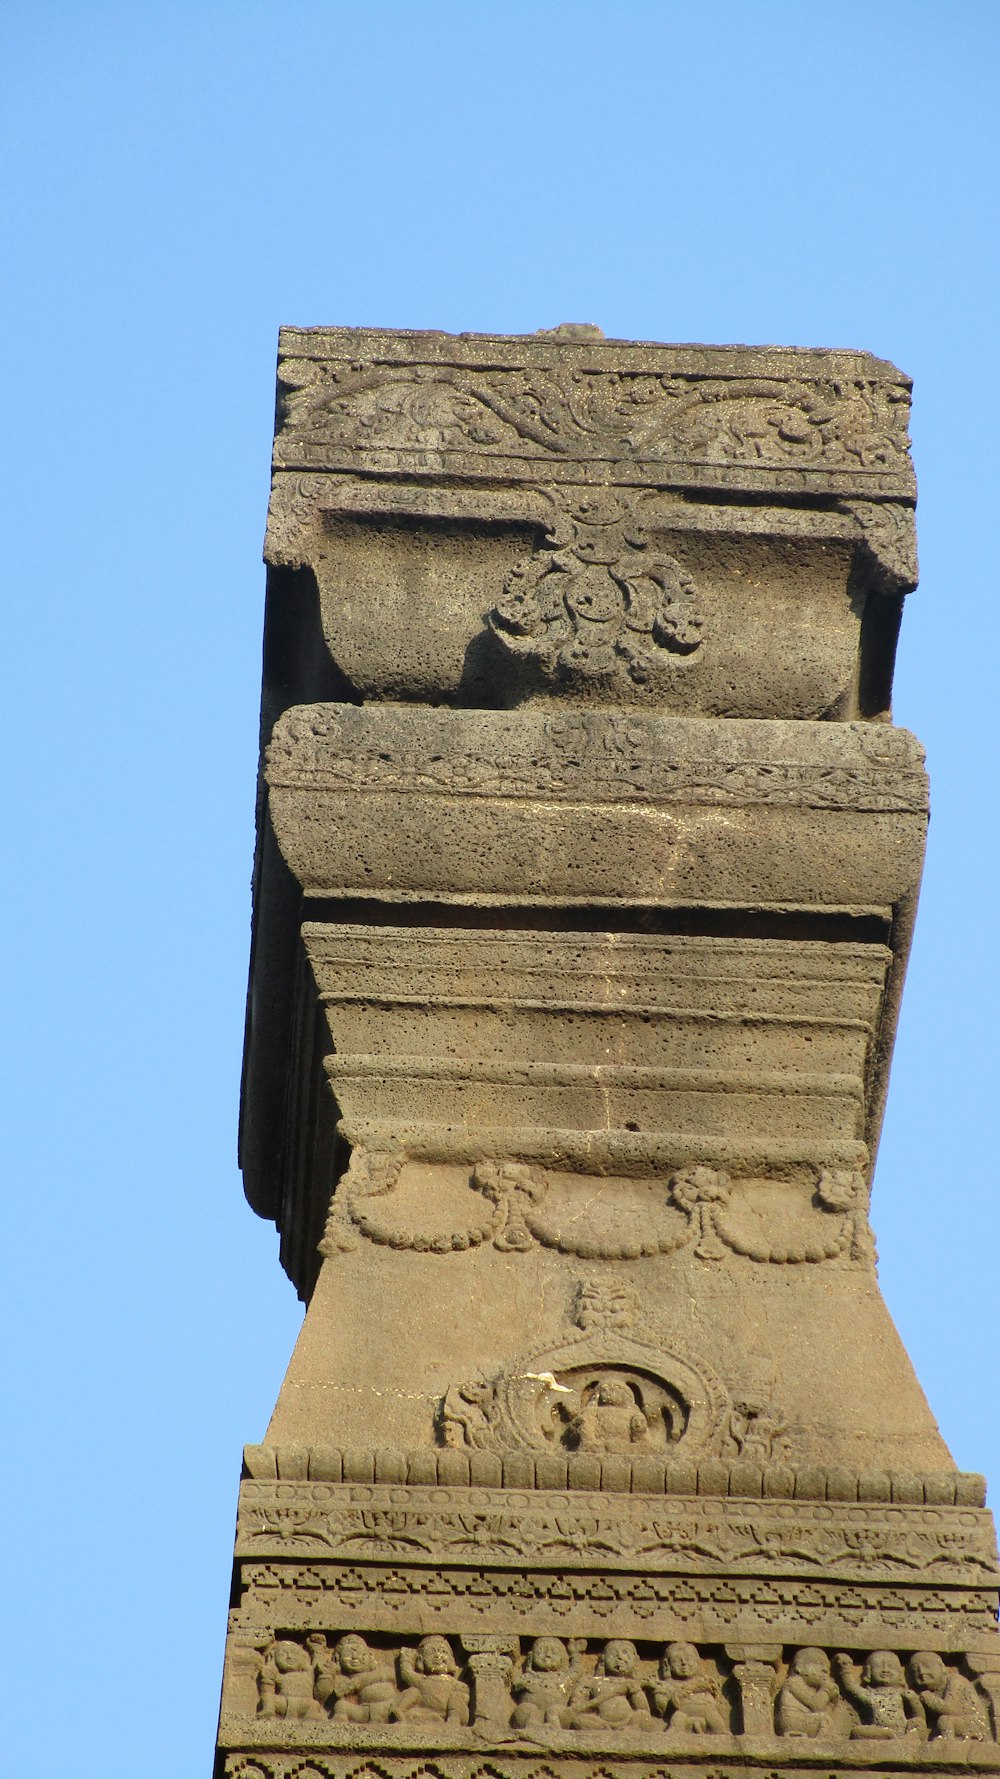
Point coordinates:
[(510, 1528), (563, 1691), (698, 1208), (601, 756), (535, 1764), (381, 1597), (752, 421)]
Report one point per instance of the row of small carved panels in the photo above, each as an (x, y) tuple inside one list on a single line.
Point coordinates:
[(618, 1473), (833, 1539), (306, 1594), (615, 1690)]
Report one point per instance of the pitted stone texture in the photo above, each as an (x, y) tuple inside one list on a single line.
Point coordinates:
[(571, 814), (724, 531), (635, 1035), (747, 418), (588, 858), (715, 1337), (399, 803)]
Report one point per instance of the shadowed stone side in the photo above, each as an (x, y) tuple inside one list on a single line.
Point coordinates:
[(587, 863)]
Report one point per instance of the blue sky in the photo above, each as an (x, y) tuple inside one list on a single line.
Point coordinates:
[(180, 179)]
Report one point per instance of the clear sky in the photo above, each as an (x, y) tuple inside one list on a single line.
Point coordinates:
[(179, 179)]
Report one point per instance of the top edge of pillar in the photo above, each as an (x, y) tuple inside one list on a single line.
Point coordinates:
[(581, 344)]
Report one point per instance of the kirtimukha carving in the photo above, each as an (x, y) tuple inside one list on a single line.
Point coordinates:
[(588, 856), (599, 605)]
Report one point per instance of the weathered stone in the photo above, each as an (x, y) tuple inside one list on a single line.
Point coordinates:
[(587, 868)]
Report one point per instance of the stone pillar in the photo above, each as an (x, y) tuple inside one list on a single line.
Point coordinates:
[(587, 860), (491, 1663), (756, 1670)]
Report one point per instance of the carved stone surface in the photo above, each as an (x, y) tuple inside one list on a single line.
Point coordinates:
[(644, 1475), (588, 856), (849, 1540), (617, 1763), (342, 1688), (700, 1605), (728, 417), (445, 782)]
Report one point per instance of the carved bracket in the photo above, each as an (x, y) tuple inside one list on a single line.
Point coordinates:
[(890, 542)]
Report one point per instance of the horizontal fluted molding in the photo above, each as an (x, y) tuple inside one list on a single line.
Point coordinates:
[(620, 1474)]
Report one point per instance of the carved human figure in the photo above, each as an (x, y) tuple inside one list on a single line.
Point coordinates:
[(807, 1699), (433, 1692), (286, 1682), (753, 1429), (465, 1415), (612, 1697), (887, 1706), (951, 1703), (687, 1696), (609, 1418), (544, 1686), (360, 1685)]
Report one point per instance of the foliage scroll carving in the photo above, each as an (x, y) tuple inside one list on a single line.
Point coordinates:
[(589, 416)]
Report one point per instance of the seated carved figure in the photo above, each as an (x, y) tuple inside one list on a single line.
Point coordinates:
[(808, 1697), (687, 1696), (951, 1703), (433, 1692), (544, 1686), (286, 1683), (886, 1705), (359, 1684), (613, 1696), (609, 1419)]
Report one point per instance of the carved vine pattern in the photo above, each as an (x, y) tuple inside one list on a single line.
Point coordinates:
[(762, 422), (457, 1529)]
